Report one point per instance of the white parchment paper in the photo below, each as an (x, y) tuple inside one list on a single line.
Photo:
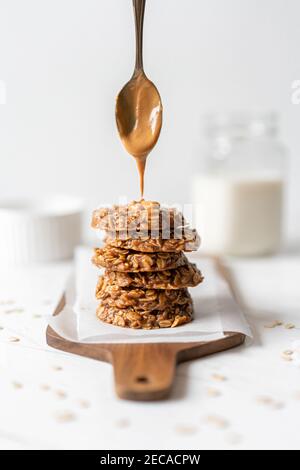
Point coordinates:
[(215, 310)]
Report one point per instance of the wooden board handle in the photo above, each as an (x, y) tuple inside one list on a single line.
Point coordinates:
[(143, 371)]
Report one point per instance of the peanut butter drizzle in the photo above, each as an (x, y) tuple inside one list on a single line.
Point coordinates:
[(139, 119), (139, 107), (141, 165)]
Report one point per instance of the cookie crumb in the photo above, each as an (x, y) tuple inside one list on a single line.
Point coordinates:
[(13, 339), (17, 385)]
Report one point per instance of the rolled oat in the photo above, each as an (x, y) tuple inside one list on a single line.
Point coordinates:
[(147, 274), (169, 318), (117, 259), (142, 216), (187, 241), (184, 276), (113, 295)]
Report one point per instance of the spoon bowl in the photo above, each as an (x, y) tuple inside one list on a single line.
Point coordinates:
[(139, 115), (138, 105)]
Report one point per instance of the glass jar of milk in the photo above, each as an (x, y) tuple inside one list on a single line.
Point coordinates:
[(238, 193)]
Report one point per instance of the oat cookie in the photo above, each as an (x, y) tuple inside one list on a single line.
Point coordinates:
[(184, 276), (117, 259), (142, 216), (189, 240), (146, 272), (130, 318), (113, 295)]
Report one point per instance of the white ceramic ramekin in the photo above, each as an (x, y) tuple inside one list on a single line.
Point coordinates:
[(39, 231)]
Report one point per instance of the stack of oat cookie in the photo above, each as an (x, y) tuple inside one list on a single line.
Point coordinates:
[(146, 272)]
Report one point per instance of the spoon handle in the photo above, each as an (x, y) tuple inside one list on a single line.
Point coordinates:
[(139, 9)]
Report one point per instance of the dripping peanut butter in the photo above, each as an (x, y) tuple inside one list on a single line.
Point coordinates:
[(139, 107), (139, 119)]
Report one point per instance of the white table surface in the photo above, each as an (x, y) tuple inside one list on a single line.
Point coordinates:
[(54, 400)]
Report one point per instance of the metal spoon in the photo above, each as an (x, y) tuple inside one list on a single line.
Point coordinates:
[(138, 105)]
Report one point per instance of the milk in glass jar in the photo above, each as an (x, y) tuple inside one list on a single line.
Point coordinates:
[(238, 194)]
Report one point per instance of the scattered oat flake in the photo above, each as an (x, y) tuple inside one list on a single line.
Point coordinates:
[(14, 310), (185, 429), (270, 402), (17, 385), (213, 392), (65, 417), (273, 324), (217, 421), (289, 326), (13, 339), (287, 355), (84, 403), (219, 377), (288, 352), (45, 387), (7, 302), (36, 315), (57, 368), (264, 400), (286, 358), (61, 394), (1, 327), (123, 423)]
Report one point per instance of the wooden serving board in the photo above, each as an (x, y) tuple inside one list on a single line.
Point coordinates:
[(143, 371)]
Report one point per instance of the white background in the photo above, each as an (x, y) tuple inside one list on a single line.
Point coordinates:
[(63, 62)]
